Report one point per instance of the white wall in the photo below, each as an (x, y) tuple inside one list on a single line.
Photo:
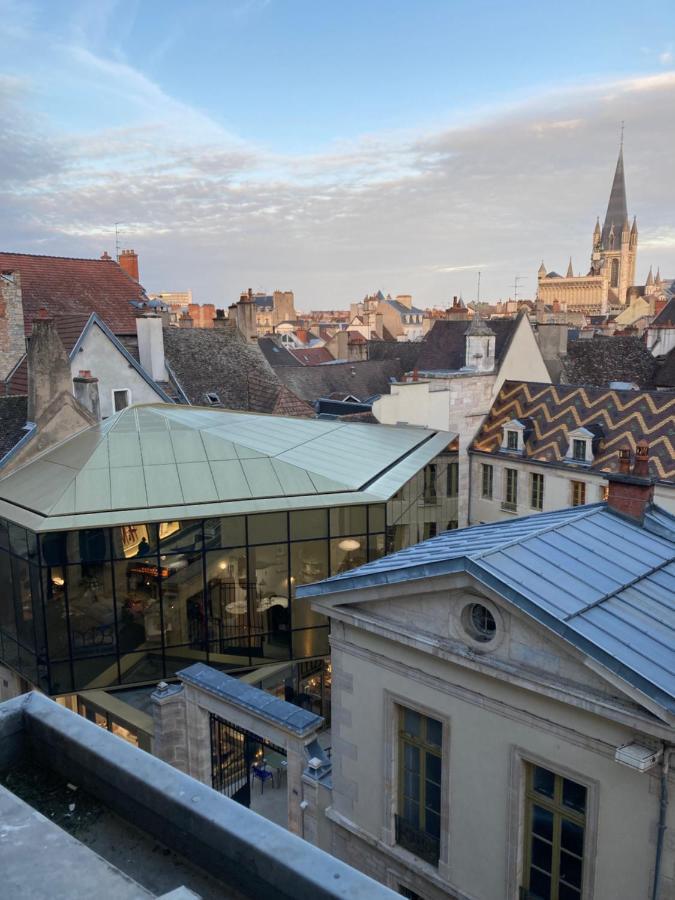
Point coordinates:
[(113, 371)]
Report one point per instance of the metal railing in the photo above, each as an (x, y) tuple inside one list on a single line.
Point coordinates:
[(417, 841)]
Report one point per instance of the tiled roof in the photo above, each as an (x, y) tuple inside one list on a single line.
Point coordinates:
[(219, 361), (601, 360), (12, 422), (69, 329), (665, 373), (444, 347), (603, 583), (75, 286), (666, 318), (624, 419), (361, 379), (311, 356)]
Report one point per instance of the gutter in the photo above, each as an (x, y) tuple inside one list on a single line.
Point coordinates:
[(663, 812)]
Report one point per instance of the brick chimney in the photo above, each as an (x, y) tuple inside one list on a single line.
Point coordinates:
[(631, 490), (12, 340), (48, 367), (128, 260), (85, 388)]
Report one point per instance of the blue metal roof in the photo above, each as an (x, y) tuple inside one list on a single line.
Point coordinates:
[(601, 581), (252, 699)]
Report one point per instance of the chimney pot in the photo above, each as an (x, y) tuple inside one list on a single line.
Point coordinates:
[(624, 461), (641, 464), (631, 492)]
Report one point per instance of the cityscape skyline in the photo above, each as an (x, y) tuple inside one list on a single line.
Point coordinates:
[(404, 173)]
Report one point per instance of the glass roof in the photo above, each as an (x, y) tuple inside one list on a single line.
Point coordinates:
[(149, 463)]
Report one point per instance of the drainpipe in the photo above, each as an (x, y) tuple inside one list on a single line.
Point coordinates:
[(663, 811)]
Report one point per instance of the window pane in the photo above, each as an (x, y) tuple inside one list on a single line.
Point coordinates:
[(434, 767), (93, 545), (137, 597), (269, 588), (412, 722), (309, 523), (542, 854), (565, 892), (543, 781), (53, 548), (542, 822), (540, 885), (411, 811), (133, 540), (177, 536), (182, 599), (267, 529), (411, 784), (432, 824), (574, 795), (309, 563), (434, 732), (226, 585), (92, 618), (348, 520), (376, 546), (376, 520), (432, 796), (570, 869), (310, 642), (230, 531), (572, 837), (346, 553), (411, 758)]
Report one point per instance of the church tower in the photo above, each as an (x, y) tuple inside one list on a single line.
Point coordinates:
[(615, 246)]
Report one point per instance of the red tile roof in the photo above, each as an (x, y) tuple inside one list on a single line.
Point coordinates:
[(311, 356), (75, 286), (69, 328)]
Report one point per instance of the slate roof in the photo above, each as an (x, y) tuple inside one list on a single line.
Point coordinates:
[(617, 208), (406, 352), (362, 379), (165, 462), (624, 419), (444, 347), (600, 581), (666, 318), (66, 286), (404, 310), (252, 699), (312, 356), (13, 411), (665, 372), (601, 360), (275, 354), (219, 361)]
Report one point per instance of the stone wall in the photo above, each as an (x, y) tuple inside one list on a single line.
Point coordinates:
[(12, 339)]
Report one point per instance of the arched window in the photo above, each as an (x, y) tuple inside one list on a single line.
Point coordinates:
[(614, 280)]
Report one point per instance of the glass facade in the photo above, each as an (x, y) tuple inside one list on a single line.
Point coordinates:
[(136, 603)]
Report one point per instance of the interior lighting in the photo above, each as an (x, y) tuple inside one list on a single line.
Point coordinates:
[(349, 544)]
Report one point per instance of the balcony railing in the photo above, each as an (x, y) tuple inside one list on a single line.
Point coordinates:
[(508, 506), (417, 841)]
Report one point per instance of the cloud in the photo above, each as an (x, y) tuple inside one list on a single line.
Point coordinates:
[(206, 210)]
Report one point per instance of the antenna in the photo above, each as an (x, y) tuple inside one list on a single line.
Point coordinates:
[(117, 240), (478, 289), (622, 124), (516, 282)]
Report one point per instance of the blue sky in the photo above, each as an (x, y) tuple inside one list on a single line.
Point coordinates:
[(334, 148)]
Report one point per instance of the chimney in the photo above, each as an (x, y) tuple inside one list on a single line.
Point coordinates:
[(151, 346), (220, 320), (48, 367), (404, 300), (185, 321), (631, 492), (128, 260), (342, 344), (85, 388), (246, 317), (12, 338), (379, 325)]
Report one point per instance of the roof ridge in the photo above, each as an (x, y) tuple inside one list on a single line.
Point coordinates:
[(53, 256)]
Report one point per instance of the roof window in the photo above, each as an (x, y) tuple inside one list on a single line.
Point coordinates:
[(212, 399)]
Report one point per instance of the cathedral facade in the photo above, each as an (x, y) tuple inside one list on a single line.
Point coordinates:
[(613, 257)]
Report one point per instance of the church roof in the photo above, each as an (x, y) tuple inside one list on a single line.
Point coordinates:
[(617, 208)]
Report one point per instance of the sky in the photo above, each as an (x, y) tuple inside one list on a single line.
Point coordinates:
[(335, 149)]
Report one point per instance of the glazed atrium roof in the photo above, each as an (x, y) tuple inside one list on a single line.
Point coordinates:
[(163, 462)]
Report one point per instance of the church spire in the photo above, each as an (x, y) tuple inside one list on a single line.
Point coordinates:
[(570, 271), (650, 277), (617, 208)]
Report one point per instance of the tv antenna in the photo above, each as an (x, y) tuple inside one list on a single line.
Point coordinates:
[(478, 289), (117, 240), (516, 282)]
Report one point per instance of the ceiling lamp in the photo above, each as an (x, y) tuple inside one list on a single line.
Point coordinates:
[(349, 544)]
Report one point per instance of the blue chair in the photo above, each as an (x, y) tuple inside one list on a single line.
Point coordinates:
[(263, 775)]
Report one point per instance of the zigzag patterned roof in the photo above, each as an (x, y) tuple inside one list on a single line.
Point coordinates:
[(626, 418)]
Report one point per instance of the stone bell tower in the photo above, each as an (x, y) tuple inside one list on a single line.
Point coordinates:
[(615, 245)]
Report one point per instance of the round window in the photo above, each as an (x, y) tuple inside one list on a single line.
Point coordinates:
[(481, 623)]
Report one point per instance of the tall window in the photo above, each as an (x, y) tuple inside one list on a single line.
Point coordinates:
[(121, 399), (578, 493), (487, 481), (510, 489), (579, 450), (537, 490), (453, 478), (418, 822), (512, 440), (430, 483), (615, 273), (555, 822)]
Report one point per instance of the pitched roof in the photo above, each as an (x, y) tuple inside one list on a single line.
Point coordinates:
[(625, 418), (13, 412), (164, 462), (75, 286), (404, 310), (617, 208), (311, 356), (218, 361), (275, 354), (603, 583), (666, 318), (602, 360), (405, 352), (665, 372), (361, 379), (444, 347)]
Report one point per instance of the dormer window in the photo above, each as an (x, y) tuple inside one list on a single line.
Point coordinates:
[(513, 436), (580, 446)]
